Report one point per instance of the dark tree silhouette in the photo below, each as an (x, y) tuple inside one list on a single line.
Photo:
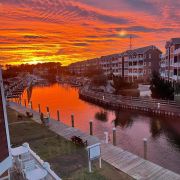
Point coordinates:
[(160, 88)]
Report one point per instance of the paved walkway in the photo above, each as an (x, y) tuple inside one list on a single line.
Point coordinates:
[(133, 165)]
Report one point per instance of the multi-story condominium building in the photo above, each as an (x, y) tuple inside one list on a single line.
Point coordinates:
[(112, 64), (170, 61), (142, 62), (81, 67), (137, 64)]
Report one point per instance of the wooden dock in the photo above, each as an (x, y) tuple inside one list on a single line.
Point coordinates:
[(148, 105), (133, 165)]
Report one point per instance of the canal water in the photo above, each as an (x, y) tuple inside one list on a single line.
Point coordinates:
[(163, 134)]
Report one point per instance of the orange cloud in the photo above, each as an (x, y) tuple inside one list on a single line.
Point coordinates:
[(73, 30)]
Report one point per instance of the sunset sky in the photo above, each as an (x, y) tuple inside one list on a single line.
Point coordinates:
[(67, 31)]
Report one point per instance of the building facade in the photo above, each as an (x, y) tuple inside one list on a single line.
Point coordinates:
[(142, 62), (170, 61), (137, 64)]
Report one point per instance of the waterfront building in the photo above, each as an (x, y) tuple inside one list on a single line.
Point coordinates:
[(137, 64), (170, 61), (82, 67), (142, 62)]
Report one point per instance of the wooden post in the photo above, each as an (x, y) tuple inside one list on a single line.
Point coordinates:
[(72, 119), (145, 148), (39, 108), (25, 102), (91, 127), (48, 112), (58, 115), (106, 137), (31, 105), (89, 163), (114, 136)]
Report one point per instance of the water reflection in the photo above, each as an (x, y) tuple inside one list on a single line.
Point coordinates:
[(163, 134), (102, 116), (121, 121)]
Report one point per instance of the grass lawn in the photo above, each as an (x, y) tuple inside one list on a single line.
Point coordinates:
[(66, 159)]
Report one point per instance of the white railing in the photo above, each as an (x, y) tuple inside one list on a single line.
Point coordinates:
[(177, 51), (51, 174), (135, 74), (177, 64)]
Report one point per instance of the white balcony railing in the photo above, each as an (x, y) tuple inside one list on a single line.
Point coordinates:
[(177, 64), (135, 74), (177, 51)]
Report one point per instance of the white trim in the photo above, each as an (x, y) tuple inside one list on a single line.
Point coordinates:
[(7, 163)]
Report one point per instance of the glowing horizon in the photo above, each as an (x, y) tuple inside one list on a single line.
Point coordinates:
[(67, 31)]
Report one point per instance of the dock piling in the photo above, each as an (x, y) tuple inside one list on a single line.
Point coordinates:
[(114, 136), (48, 112), (25, 102), (145, 148), (58, 115), (106, 137), (91, 127), (39, 108), (31, 105), (72, 120)]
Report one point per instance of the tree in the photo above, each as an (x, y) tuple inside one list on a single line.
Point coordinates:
[(160, 88), (119, 83), (99, 80), (177, 88)]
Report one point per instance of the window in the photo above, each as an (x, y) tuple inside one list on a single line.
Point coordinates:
[(175, 72), (149, 63), (149, 56), (144, 63), (149, 71), (144, 71), (175, 59)]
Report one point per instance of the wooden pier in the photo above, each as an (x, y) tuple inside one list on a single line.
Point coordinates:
[(153, 106), (133, 165)]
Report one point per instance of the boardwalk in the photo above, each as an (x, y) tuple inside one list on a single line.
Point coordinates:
[(124, 161), (166, 108)]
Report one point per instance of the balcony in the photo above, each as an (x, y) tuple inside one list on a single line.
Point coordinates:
[(135, 74), (136, 66), (177, 64), (175, 77), (28, 165), (177, 51), (162, 56)]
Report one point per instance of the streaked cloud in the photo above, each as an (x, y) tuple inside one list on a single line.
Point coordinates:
[(73, 30)]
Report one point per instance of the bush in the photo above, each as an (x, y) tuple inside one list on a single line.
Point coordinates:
[(119, 84), (99, 80), (160, 88)]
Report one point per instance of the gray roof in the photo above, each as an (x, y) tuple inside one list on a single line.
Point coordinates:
[(140, 50), (172, 41), (175, 40)]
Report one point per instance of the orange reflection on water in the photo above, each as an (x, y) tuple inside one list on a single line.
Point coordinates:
[(65, 99)]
